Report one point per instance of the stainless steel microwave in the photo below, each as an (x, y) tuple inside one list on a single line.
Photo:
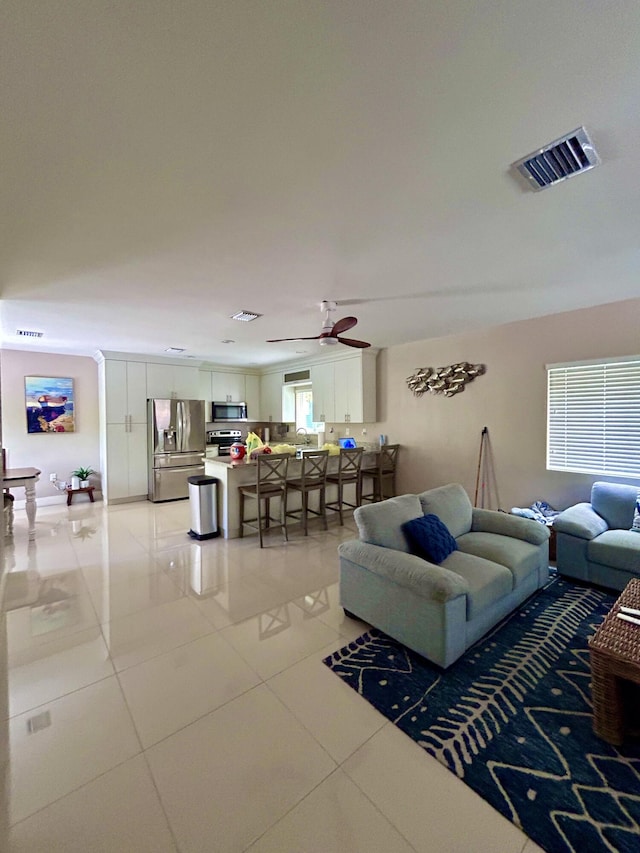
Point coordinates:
[(229, 411)]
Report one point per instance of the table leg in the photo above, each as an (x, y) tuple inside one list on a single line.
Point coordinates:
[(91, 495), (608, 711), (30, 507)]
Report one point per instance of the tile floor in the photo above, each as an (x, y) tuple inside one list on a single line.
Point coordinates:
[(169, 695)]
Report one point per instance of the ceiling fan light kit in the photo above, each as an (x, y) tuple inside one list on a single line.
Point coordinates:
[(330, 330)]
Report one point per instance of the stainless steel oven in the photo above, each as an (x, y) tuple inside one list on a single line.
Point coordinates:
[(223, 439)]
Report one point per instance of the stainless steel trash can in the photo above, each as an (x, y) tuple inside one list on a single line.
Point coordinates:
[(203, 502)]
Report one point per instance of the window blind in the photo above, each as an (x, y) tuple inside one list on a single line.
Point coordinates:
[(593, 418)]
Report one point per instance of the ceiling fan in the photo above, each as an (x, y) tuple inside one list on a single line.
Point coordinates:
[(330, 330)]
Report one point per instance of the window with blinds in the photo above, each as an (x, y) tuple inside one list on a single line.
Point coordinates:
[(593, 418)]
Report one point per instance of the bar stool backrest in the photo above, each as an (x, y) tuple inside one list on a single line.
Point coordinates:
[(388, 458), (350, 463), (314, 467), (272, 470)]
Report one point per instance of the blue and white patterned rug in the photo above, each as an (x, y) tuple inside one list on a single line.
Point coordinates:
[(512, 718)]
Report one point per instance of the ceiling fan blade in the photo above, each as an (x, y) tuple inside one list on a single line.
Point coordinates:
[(343, 325), (283, 340), (351, 342)]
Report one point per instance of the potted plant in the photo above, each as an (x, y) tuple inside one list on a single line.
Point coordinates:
[(83, 475)]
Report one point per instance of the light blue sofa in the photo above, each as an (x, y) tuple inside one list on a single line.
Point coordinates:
[(440, 610), (594, 540)]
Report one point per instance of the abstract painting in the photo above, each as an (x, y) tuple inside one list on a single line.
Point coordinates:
[(50, 404)]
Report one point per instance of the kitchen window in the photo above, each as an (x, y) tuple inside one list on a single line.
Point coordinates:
[(593, 417), (304, 409)]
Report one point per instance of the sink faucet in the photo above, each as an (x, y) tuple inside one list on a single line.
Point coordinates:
[(303, 430)]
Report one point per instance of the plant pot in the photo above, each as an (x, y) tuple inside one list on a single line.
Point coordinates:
[(75, 482), (84, 484)]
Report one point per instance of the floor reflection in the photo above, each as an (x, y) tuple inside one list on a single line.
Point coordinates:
[(106, 590)]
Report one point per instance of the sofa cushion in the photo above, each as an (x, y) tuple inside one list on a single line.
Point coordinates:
[(492, 521), (486, 581), (615, 503), (381, 523), (618, 549), (452, 506), (521, 558), (429, 538), (580, 520)]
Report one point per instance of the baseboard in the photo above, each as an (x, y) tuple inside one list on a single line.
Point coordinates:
[(51, 500)]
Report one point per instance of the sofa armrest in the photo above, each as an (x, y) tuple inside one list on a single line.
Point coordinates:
[(407, 570), (580, 520), (491, 521)]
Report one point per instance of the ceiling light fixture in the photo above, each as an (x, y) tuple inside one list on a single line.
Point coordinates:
[(245, 316)]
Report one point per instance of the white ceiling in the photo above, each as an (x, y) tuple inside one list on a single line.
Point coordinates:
[(166, 163)]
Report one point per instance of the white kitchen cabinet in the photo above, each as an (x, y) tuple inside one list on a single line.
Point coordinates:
[(252, 396), (125, 391), (322, 387), (204, 389), (125, 466), (123, 429), (355, 389), (271, 397), (172, 381), (228, 387)]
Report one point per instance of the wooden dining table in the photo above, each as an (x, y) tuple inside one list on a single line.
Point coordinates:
[(27, 478)]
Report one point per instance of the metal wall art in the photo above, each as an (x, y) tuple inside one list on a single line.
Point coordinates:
[(444, 380)]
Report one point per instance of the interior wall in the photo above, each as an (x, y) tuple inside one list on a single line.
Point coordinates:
[(58, 453), (440, 436)]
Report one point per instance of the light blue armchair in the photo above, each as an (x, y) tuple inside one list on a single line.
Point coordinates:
[(595, 542)]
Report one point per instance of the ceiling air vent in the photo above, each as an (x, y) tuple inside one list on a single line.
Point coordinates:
[(245, 316), (568, 156), (297, 376), (26, 334)]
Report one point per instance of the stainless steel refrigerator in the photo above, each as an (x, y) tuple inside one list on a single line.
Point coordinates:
[(176, 447)]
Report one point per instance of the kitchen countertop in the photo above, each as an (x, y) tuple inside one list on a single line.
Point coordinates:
[(246, 462), (233, 473)]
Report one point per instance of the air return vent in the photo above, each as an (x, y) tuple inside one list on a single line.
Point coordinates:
[(297, 376), (26, 334), (562, 159)]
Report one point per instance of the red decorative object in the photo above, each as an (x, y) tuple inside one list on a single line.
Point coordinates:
[(238, 450)]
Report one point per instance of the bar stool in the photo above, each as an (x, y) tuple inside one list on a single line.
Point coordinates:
[(349, 465), (271, 482), (313, 477), (384, 472)]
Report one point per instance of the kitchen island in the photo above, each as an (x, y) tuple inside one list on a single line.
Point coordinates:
[(232, 474)]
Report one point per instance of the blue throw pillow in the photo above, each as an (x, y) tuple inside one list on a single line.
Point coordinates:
[(429, 538)]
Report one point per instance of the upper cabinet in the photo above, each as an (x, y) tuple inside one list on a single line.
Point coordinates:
[(171, 381), (323, 388), (354, 384), (125, 391), (271, 397), (252, 396), (344, 391), (228, 387), (204, 389)]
